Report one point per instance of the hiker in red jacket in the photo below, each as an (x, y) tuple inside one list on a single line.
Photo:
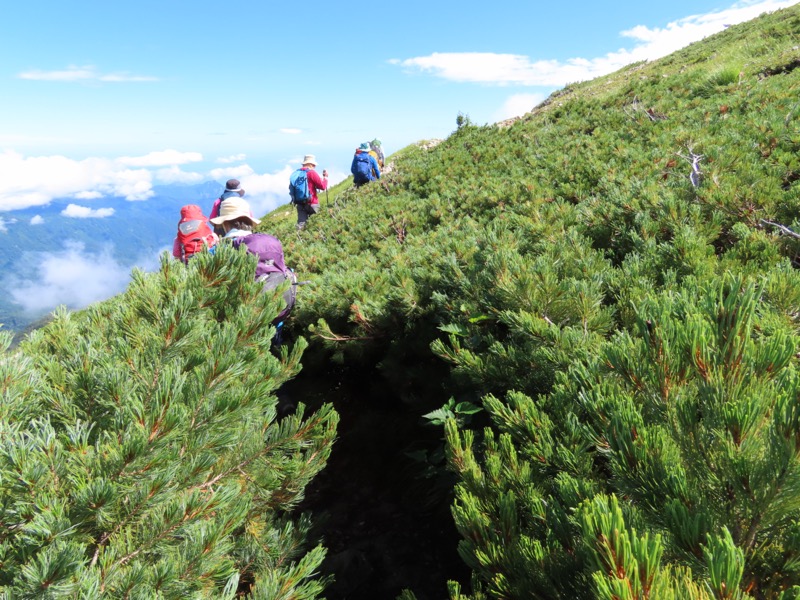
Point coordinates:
[(315, 184), (232, 188)]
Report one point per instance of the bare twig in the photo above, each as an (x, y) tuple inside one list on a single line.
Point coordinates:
[(782, 228), (696, 176), (636, 107)]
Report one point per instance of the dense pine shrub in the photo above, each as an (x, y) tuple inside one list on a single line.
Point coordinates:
[(140, 451), (612, 278)]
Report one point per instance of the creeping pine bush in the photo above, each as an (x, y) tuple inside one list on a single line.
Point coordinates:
[(140, 452), (612, 277), (664, 468)]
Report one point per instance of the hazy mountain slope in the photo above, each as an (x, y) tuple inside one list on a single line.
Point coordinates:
[(134, 234)]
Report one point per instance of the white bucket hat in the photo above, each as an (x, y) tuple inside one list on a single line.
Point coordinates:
[(310, 159), (234, 208)]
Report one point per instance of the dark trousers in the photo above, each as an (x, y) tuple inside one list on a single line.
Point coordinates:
[(304, 211)]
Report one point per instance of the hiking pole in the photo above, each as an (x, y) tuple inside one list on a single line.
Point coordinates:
[(327, 183)]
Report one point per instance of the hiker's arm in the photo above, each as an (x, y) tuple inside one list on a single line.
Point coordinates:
[(317, 181), (215, 209)]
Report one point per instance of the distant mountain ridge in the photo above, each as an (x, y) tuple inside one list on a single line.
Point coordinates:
[(135, 230)]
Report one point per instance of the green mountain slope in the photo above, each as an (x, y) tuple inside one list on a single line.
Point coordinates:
[(582, 206), (611, 279)]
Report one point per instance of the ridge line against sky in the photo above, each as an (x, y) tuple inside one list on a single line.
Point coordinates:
[(149, 115), (109, 100)]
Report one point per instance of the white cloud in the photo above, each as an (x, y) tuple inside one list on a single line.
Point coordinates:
[(266, 192), (176, 175), (83, 212), (517, 105), (87, 195), (231, 159), (516, 69), (37, 220), (164, 158), (3, 225), (36, 180), (291, 130), (71, 277), (237, 172), (83, 73), (134, 185)]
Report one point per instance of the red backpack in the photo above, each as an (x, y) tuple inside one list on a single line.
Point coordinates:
[(194, 234)]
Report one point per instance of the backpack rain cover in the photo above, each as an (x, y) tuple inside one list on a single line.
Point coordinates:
[(298, 187), (194, 234), (363, 172)]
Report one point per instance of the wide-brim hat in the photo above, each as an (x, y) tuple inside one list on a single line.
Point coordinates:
[(364, 147), (310, 159), (234, 208)]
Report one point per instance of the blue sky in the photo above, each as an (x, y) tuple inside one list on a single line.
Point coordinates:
[(111, 98), (107, 98)]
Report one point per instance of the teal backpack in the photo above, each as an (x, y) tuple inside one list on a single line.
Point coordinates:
[(298, 187)]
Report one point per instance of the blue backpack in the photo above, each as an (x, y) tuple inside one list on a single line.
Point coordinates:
[(363, 172), (298, 187)]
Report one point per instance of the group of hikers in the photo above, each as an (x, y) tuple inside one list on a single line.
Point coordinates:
[(305, 183), (233, 220)]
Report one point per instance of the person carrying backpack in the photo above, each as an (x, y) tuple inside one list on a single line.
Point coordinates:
[(304, 183), (364, 166), (232, 188), (377, 151), (194, 234), (235, 218)]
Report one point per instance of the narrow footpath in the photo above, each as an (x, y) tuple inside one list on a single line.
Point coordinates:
[(385, 525)]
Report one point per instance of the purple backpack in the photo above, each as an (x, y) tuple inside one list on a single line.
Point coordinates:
[(271, 269)]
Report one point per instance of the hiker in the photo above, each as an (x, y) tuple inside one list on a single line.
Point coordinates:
[(236, 220), (194, 234), (364, 167), (232, 188), (304, 184), (377, 151)]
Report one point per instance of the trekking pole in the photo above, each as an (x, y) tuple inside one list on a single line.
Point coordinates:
[(327, 183)]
